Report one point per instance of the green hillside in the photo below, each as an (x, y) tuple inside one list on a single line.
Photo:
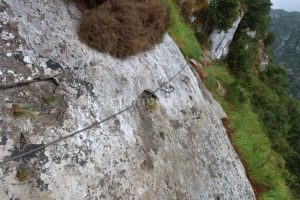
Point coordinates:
[(286, 49), (263, 120)]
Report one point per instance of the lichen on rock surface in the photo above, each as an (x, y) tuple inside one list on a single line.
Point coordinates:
[(178, 151)]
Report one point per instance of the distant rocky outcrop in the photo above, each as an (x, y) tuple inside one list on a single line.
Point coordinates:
[(51, 84)]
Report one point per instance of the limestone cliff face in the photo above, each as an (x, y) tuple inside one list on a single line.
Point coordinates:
[(220, 40), (179, 150)]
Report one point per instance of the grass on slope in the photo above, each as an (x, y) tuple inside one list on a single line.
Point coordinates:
[(265, 167), (181, 33)]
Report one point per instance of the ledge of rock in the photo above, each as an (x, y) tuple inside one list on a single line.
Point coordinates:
[(179, 150)]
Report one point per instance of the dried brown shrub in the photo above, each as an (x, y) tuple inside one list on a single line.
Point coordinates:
[(94, 3), (124, 27)]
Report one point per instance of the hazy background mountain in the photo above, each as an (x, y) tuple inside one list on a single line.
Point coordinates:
[(286, 49)]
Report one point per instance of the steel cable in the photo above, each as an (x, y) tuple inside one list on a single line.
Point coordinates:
[(95, 124)]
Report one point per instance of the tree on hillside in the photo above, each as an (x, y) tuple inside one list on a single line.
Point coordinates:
[(239, 57), (221, 14), (270, 39), (257, 15), (293, 137)]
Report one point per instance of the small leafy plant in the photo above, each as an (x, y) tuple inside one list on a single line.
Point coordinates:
[(19, 110), (22, 174), (50, 101), (152, 104)]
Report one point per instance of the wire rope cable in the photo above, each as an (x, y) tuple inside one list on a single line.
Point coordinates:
[(95, 124)]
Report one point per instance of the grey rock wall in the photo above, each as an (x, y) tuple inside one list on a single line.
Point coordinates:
[(179, 150), (220, 40)]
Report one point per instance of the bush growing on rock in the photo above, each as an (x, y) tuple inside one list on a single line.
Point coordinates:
[(237, 94), (124, 27), (270, 39), (257, 15), (221, 14), (239, 57)]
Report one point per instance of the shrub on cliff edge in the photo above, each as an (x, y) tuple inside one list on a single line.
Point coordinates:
[(124, 27)]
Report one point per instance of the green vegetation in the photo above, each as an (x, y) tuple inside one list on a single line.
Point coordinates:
[(285, 50), (22, 174), (182, 33), (221, 14), (267, 92), (264, 120), (293, 155), (270, 39), (256, 15), (239, 57), (265, 166), (19, 110), (50, 101), (152, 104)]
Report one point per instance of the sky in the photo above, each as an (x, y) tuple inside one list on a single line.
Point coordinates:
[(288, 5)]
